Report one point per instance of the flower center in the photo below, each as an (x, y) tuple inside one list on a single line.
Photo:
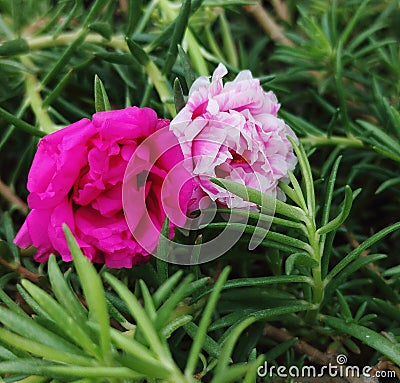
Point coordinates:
[(200, 110), (237, 158)]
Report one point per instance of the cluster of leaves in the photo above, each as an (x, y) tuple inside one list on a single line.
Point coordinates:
[(68, 341), (338, 81)]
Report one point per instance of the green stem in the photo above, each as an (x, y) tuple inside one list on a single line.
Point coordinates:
[(213, 44), (333, 140), (195, 54), (318, 285), (42, 42), (160, 83), (228, 41), (340, 88), (33, 88), (180, 378)]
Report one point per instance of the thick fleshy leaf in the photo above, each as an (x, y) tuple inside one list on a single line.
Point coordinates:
[(101, 101), (367, 336), (94, 292)]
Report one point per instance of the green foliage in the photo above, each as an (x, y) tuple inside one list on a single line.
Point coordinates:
[(327, 270), (310, 255), (100, 96), (78, 342)]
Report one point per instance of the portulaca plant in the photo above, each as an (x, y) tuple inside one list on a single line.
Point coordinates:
[(183, 225)]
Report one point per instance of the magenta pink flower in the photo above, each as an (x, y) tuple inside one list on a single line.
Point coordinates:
[(156, 180), (232, 131), (76, 178)]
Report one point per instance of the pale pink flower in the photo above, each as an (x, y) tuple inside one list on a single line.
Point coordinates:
[(232, 131)]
